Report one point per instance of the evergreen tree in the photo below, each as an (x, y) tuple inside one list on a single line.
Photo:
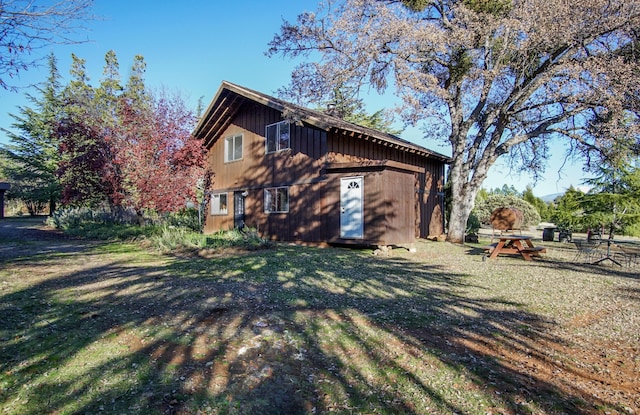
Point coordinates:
[(84, 154), (568, 212), (539, 204), (107, 102), (613, 203), (346, 105), (135, 92), (32, 153)]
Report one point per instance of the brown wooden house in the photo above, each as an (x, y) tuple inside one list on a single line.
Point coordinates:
[(3, 188), (301, 175)]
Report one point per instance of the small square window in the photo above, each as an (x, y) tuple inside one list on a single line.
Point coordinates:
[(219, 204), (278, 137), (276, 200), (233, 148)]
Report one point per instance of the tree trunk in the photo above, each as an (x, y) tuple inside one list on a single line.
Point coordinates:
[(460, 210), (140, 216), (463, 197)]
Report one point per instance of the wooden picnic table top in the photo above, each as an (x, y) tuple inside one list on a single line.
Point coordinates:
[(514, 237)]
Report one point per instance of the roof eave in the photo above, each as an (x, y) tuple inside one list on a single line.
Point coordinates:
[(306, 116)]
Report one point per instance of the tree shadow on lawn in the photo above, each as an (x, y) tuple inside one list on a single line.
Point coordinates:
[(291, 330)]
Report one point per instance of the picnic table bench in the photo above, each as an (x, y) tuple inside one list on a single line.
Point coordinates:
[(515, 244)]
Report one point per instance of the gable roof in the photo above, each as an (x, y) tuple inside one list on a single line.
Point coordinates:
[(230, 98)]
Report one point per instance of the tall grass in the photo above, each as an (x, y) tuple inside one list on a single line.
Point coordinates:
[(169, 233), (170, 238), (248, 238)]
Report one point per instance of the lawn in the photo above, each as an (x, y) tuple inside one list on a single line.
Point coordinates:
[(90, 327)]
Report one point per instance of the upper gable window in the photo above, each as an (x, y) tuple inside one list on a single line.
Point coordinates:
[(278, 136), (233, 148)]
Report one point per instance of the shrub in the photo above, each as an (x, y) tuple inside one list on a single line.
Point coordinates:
[(473, 223), (66, 218), (171, 239), (484, 208), (185, 218), (174, 232), (247, 238)]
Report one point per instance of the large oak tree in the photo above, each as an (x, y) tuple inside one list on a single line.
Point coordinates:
[(493, 78)]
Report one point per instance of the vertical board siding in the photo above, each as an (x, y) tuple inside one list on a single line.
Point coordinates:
[(425, 200), (399, 205), (301, 163)]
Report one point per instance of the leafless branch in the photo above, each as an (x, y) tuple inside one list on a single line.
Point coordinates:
[(26, 26)]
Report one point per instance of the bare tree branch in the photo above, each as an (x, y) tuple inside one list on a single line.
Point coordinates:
[(26, 26), (497, 77)]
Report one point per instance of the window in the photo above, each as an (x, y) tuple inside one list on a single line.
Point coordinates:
[(278, 136), (219, 204), (276, 199), (233, 148)]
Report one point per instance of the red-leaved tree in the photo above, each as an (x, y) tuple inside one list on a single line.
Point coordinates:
[(158, 157), (122, 146)]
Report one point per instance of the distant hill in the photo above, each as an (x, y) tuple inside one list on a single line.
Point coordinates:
[(551, 197)]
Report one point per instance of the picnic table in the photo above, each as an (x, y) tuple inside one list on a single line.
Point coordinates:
[(628, 252), (515, 244)]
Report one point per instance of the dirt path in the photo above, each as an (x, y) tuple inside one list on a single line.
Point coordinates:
[(23, 236)]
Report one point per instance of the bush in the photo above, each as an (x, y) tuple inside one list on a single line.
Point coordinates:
[(186, 218), (174, 232), (246, 237), (171, 239), (473, 223), (631, 229), (484, 208), (67, 218)]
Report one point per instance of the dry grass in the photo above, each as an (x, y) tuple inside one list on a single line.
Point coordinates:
[(92, 327)]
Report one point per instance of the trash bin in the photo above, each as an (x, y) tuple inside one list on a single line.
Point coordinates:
[(565, 236), (548, 234)]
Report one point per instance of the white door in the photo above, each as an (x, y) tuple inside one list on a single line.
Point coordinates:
[(351, 199)]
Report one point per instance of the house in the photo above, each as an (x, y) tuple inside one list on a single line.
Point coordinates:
[(3, 188), (301, 175)]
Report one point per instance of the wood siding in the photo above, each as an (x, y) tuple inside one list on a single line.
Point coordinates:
[(298, 168), (428, 191), (399, 203)]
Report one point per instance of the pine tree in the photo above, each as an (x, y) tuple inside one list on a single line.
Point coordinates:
[(107, 101), (32, 154), (83, 149)]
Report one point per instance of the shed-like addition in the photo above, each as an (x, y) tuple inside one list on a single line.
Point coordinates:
[(301, 175)]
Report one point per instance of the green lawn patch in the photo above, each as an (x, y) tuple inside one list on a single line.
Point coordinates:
[(116, 327)]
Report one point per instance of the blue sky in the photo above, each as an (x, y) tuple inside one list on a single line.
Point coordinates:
[(193, 45)]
